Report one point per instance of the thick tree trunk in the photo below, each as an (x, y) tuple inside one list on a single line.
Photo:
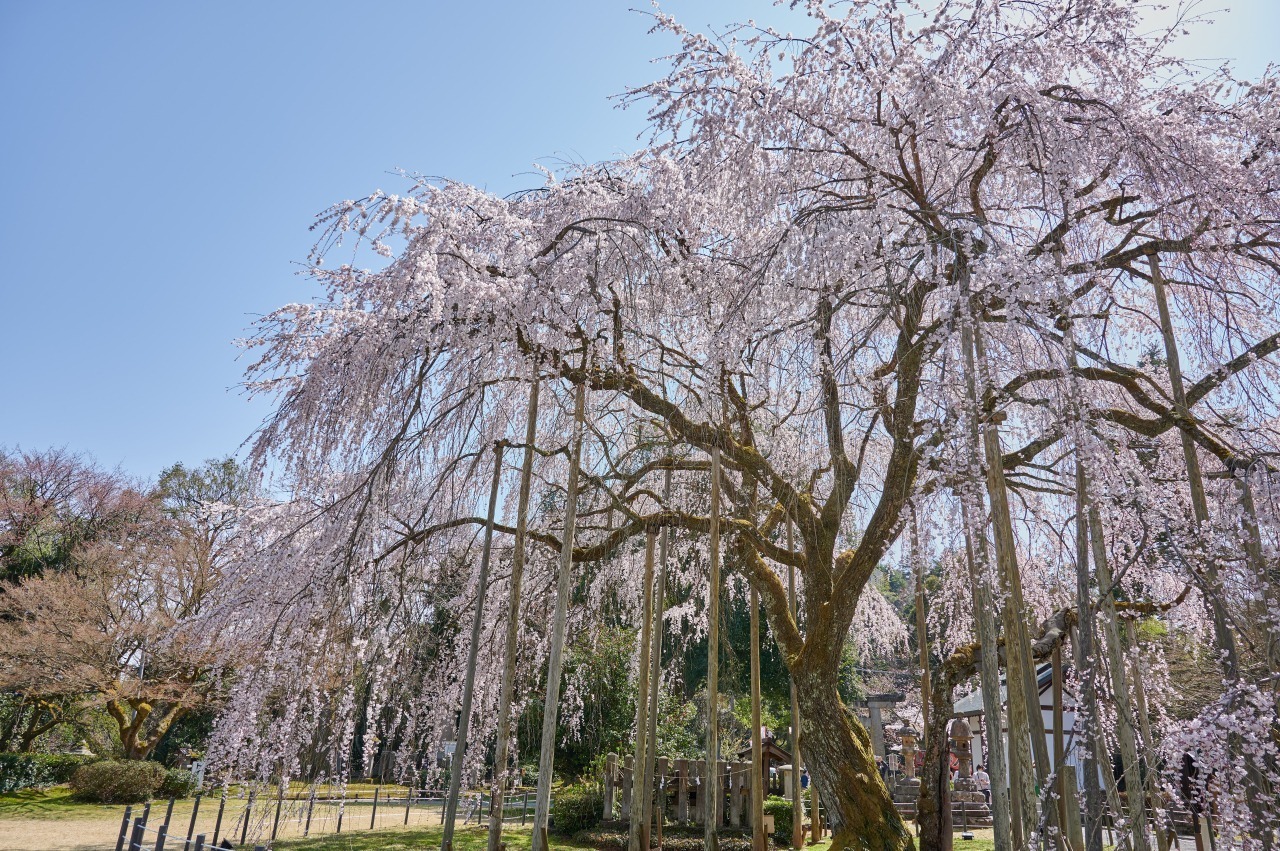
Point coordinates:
[(837, 752)]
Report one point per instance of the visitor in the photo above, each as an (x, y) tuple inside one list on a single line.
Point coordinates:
[(984, 783)]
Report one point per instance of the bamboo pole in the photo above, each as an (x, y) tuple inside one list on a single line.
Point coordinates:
[(637, 838), (468, 685), (513, 622), (712, 778), (758, 838), (797, 762), (555, 664)]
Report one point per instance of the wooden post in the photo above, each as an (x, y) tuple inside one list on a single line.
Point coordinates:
[(700, 811), (655, 684), (610, 785), (200, 843), (217, 824), (660, 801), (124, 829), (1059, 749), (1223, 636), (797, 801), (682, 790), (555, 664), (979, 559), (758, 839), (500, 757), (191, 828), (168, 813), (311, 803), (275, 824), (408, 803), (722, 770), (628, 784), (469, 683), (712, 784), (342, 809), (1119, 683), (1022, 727), (815, 820), (637, 838), (162, 835), (737, 779), (373, 819), (248, 812)]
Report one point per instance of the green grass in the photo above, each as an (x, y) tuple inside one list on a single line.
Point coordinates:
[(398, 839), (54, 802)]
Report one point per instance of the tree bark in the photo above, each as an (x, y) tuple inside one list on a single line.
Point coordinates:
[(841, 764), (933, 809)]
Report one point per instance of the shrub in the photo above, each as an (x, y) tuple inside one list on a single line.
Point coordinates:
[(178, 783), (25, 770), (578, 806), (783, 818), (111, 782)]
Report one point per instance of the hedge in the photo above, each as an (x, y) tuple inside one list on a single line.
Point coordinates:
[(27, 770)]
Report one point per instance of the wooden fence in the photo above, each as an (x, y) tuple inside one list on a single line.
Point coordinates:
[(252, 818)]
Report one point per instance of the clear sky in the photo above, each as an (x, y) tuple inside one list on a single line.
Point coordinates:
[(160, 164)]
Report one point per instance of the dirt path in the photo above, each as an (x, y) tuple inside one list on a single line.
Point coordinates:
[(89, 834)]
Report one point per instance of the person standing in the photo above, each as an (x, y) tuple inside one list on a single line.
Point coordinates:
[(983, 781)]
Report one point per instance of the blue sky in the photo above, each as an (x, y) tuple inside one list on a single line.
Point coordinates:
[(160, 164)]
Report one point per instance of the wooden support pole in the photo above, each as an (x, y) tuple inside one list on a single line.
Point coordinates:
[(1146, 745), (469, 683), (500, 757), (711, 782), (655, 683), (1059, 748), (1119, 683), (555, 664), (978, 557), (758, 839), (797, 762), (638, 834), (1026, 724), (1223, 637)]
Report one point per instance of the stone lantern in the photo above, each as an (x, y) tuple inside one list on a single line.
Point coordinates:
[(962, 747), (909, 739)]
